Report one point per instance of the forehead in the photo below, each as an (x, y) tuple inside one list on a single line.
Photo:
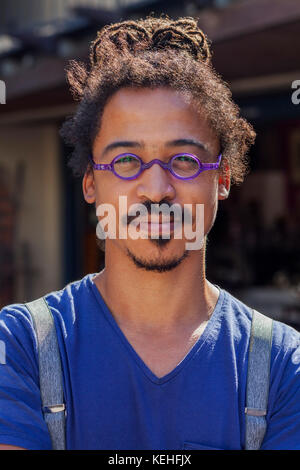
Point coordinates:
[(136, 96), (153, 115)]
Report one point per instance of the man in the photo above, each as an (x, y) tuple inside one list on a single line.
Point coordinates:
[(154, 356)]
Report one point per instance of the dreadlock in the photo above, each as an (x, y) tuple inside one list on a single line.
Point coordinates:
[(153, 52)]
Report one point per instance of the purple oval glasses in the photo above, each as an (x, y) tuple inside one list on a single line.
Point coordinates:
[(184, 166)]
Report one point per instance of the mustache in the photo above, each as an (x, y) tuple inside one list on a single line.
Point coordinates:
[(154, 208)]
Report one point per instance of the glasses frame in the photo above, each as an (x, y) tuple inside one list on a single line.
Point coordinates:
[(165, 166)]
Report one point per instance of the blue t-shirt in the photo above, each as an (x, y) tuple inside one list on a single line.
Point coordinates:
[(115, 402)]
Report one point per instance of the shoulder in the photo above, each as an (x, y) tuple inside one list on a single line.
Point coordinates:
[(237, 320), (286, 339), (285, 359), (16, 326), (285, 353), (16, 321), (239, 314), (235, 316)]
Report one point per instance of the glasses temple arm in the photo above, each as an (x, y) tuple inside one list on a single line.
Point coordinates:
[(212, 166), (100, 166)]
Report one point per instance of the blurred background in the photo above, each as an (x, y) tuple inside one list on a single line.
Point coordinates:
[(47, 231)]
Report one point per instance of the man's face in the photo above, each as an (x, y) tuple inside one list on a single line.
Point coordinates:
[(154, 123)]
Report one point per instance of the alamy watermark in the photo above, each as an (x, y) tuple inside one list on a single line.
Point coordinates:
[(2, 352), (165, 221), (2, 92), (296, 94)]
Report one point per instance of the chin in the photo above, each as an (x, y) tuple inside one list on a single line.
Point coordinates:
[(161, 255)]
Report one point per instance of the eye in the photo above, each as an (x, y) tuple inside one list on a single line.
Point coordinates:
[(185, 158), (185, 165), (126, 159), (127, 166)]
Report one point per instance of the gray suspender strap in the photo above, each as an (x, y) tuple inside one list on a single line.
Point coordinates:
[(258, 380), (51, 384)]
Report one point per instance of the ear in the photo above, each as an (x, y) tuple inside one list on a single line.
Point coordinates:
[(224, 182), (88, 186)]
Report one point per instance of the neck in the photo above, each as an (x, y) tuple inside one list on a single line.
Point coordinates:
[(152, 302)]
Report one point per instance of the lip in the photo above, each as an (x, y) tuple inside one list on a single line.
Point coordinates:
[(157, 227)]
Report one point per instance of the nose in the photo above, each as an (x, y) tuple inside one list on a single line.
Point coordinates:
[(155, 184)]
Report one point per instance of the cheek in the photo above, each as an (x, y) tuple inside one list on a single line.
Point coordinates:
[(106, 191), (207, 195), (210, 210), (109, 192)]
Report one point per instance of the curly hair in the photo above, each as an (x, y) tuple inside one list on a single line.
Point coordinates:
[(153, 52)]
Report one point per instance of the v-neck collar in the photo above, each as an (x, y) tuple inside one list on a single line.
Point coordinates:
[(190, 354)]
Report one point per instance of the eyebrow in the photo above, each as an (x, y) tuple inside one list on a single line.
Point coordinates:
[(171, 143)]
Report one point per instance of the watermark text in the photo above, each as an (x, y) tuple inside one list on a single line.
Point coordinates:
[(296, 93), (2, 352), (2, 92), (163, 222)]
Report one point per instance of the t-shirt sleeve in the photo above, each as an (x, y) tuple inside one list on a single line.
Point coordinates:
[(21, 419), (283, 418)]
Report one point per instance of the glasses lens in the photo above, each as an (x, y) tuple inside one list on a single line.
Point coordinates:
[(127, 166), (185, 166)]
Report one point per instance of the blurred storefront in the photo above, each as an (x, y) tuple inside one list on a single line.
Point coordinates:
[(47, 231), (254, 244)]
